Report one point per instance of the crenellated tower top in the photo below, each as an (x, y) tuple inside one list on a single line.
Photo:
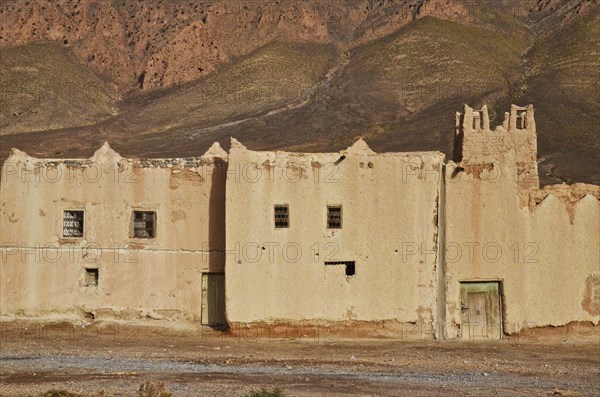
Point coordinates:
[(514, 143)]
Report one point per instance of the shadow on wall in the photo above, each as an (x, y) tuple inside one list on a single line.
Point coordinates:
[(213, 283), (216, 219), (459, 138)]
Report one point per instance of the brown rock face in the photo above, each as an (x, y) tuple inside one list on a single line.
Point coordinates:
[(163, 43)]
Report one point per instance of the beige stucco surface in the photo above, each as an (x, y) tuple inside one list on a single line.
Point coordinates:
[(389, 201), (42, 272), (543, 255), (542, 245), (415, 226)]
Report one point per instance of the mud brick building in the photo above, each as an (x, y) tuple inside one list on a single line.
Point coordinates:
[(471, 248)]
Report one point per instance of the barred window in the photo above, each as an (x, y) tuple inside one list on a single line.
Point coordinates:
[(334, 216), (282, 216), (72, 223), (144, 224)]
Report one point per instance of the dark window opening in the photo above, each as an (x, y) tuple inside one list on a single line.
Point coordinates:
[(282, 216), (476, 121), (350, 266), (144, 224), (522, 120), (91, 277), (73, 223), (334, 216)]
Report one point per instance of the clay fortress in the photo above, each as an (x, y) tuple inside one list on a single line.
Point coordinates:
[(470, 248)]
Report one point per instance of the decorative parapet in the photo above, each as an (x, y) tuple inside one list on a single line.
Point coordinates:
[(514, 143)]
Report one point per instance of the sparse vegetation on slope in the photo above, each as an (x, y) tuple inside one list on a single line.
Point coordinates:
[(261, 81), (563, 82), (42, 88), (399, 92)]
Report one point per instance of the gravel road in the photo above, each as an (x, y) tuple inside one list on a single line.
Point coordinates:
[(213, 366)]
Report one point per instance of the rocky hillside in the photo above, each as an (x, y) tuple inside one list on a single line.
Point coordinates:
[(297, 75), (168, 42)]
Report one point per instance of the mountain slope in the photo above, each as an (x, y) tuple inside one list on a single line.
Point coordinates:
[(309, 76), (563, 82), (43, 88)]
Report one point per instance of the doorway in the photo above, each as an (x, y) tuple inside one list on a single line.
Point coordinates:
[(213, 299), (481, 310)]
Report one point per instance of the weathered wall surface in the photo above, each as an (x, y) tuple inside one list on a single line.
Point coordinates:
[(542, 245), (42, 272), (389, 204), (414, 228), (476, 143)]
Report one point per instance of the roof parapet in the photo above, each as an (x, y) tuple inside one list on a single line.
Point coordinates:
[(237, 145), (359, 147), (105, 154), (214, 151), (18, 155), (519, 118)]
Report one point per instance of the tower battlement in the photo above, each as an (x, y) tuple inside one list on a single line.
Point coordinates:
[(514, 143)]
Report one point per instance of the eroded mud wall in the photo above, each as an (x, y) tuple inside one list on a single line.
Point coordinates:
[(389, 230), (43, 272)]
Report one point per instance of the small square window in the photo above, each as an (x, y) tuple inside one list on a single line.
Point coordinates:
[(91, 277), (72, 223), (144, 224), (282, 216), (334, 216)]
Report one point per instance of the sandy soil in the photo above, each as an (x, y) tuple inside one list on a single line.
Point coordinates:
[(118, 358)]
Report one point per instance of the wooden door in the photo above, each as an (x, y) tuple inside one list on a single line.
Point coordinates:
[(213, 299), (481, 317)]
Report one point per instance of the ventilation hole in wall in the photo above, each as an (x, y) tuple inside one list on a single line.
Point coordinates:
[(342, 157), (350, 266), (92, 276)]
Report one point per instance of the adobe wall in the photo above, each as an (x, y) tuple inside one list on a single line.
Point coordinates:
[(414, 227), (42, 272), (390, 204), (541, 244), (477, 143)]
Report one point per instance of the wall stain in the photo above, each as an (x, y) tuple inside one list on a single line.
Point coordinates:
[(591, 296)]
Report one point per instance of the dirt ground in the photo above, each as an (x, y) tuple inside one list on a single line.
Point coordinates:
[(86, 359)]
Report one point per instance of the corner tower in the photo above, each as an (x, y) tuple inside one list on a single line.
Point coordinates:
[(514, 143)]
